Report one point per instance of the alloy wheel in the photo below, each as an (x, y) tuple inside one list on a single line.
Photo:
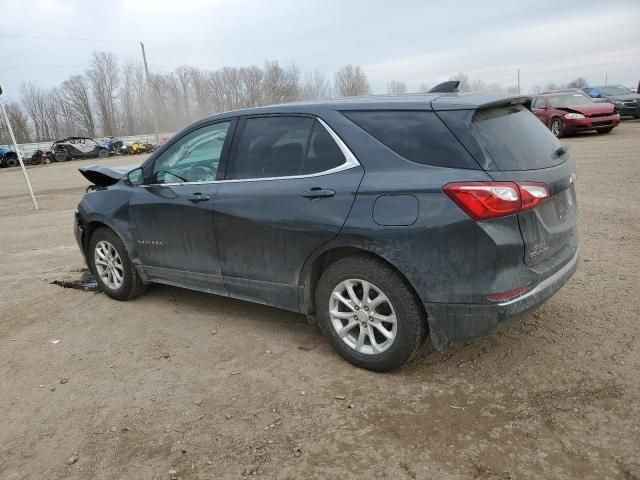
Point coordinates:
[(556, 127), (108, 264), (362, 316)]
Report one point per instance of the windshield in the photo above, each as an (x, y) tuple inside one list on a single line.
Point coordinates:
[(562, 101), (615, 90)]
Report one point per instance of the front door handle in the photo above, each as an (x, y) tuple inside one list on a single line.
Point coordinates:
[(317, 192), (198, 197)]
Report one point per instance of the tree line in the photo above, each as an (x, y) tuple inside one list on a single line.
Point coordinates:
[(114, 98)]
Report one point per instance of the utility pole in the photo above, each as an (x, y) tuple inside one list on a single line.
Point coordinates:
[(15, 145), (518, 81), (154, 113), (606, 78)]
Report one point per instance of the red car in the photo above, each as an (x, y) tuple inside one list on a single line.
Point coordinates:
[(566, 112)]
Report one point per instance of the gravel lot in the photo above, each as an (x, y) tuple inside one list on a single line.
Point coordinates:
[(208, 387)]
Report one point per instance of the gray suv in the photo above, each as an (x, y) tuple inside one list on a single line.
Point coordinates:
[(386, 220)]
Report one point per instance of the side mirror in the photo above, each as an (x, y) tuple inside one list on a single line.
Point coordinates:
[(136, 177)]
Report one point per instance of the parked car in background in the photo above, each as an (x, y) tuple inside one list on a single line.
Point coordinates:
[(8, 158), (78, 147), (386, 219), (626, 102), (565, 113)]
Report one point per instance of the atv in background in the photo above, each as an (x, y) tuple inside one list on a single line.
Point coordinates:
[(78, 147), (113, 144), (137, 147), (42, 156), (8, 158)]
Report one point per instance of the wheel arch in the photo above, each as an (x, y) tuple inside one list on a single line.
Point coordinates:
[(91, 226), (320, 261)]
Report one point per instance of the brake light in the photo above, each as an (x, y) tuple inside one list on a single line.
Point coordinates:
[(486, 200)]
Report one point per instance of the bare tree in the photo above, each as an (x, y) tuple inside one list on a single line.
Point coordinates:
[(423, 88), (351, 81), (251, 79), (130, 115), (396, 88), (315, 86), (34, 100), (19, 123), (280, 85), (550, 86), (78, 99), (104, 82), (199, 90), (578, 83), (183, 78)]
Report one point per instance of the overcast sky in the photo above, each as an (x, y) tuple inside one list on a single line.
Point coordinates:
[(405, 40)]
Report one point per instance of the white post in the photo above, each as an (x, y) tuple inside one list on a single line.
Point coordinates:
[(15, 145)]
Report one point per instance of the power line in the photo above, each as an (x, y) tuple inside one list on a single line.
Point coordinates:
[(74, 39)]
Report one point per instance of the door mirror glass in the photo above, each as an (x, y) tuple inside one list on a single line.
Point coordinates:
[(136, 177)]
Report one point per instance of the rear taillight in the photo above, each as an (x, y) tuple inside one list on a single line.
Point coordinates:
[(485, 200)]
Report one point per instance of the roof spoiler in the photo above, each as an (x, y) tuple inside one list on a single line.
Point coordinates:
[(450, 86)]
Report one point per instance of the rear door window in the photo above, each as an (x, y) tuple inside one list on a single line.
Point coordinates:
[(273, 147), (324, 154), (418, 136), (515, 139)]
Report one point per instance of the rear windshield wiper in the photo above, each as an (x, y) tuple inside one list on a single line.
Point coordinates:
[(561, 150)]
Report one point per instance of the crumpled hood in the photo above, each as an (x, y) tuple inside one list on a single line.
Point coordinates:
[(105, 176)]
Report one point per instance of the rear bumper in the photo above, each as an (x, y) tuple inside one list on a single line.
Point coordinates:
[(583, 124), (453, 322)]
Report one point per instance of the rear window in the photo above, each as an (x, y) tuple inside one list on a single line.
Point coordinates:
[(419, 136), (515, 139)]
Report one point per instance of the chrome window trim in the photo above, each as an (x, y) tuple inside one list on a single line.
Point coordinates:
[(350, 162)]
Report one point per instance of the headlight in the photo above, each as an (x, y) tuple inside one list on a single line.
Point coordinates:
[(573, 116)]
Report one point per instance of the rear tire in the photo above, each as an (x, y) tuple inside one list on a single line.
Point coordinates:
[(557, 127), (605, 130), (364, 333), (110, 263)]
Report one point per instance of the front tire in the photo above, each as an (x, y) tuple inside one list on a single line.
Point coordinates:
[(557, 127), (103, 153), (369, 313), (12, 161), (109, 262)]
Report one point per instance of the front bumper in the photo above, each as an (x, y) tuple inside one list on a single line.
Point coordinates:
[(628, 110), (596, 123), (453, 322)]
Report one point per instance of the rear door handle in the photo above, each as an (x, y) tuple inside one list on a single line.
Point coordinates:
[(317, 192), (198, 197)]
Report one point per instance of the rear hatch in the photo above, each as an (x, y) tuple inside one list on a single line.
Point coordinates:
[(512, 145)]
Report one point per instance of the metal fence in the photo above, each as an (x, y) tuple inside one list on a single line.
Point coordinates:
[(27, 149)]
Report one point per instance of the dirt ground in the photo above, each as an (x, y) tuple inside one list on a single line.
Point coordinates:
[(210, 387)]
